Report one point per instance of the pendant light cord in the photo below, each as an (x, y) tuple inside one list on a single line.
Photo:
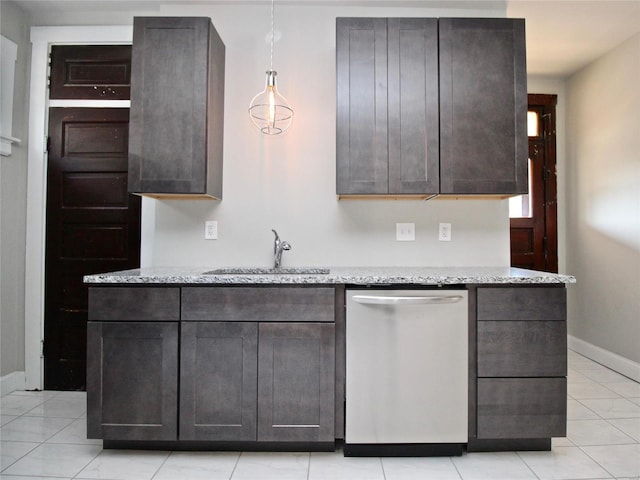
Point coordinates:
[(272, 36)]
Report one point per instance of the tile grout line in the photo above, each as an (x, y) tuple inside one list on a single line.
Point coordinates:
[(596, 462), (171, 452), (529, 466), (235, 466)]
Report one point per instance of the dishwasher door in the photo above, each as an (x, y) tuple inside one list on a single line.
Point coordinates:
[(407, 372)]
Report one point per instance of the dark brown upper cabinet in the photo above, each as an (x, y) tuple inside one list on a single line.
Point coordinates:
[(430, 106), (387, 106), (483, 106), (177, 108)]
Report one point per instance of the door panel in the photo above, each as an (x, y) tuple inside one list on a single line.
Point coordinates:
[(132, 390), (296, 374), (482, 106), (90, 72), (93, 226), (218, 381), (361, 93), (413, 106)]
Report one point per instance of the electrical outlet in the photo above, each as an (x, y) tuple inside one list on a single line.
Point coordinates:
[(211, 230), (444, 232), (405, 232)]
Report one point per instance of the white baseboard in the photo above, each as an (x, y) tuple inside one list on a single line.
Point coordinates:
[(620, 364), (12, 382)]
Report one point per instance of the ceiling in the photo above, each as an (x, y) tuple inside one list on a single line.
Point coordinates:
[(563, 36)]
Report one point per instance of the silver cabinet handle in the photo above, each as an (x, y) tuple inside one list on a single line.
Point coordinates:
[(397, 300)]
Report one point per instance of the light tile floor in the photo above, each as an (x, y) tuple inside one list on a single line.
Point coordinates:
[(43, 436)]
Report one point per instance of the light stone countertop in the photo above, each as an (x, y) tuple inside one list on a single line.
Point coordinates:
[(336, 276)]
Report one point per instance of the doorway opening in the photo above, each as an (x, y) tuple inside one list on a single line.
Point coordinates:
[(92, 223), (534, 216)]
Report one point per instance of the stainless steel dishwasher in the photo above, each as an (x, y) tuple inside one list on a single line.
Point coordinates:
[(407, 372)]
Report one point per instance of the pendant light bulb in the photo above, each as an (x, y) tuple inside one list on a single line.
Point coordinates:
[(269, 110)]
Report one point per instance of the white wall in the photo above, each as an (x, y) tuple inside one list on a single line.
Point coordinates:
[(603, 198), (288, 183), (13, 198)]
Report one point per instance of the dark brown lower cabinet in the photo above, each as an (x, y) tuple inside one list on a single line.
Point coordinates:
[(521, 367), (522, 408), (234, 387), (132, 380), (218, 372), (296, 372), (163, 367)]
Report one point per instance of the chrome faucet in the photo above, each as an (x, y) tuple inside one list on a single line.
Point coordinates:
[(278, 247)]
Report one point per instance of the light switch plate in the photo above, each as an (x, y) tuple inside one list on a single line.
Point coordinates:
[(405, 232), (210, 230), (444, 232)]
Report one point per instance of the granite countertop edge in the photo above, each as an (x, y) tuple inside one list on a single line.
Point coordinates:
[(336, 276)]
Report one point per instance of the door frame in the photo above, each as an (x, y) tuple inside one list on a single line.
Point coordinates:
[(41, 39)]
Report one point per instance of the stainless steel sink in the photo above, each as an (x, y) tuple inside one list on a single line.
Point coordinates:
[(268, 271)]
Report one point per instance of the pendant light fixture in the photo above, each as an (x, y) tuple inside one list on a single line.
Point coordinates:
[(269, 110)]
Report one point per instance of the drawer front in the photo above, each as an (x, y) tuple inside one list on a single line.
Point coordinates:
[(522, 349), (134, 303), (264, 304), (522, 408), (522, 303)]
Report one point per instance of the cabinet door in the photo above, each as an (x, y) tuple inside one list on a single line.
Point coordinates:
[(296, 382), (218, 375), (361, 96), (177, 92), (483, 106), (414, 150), (132, 380)]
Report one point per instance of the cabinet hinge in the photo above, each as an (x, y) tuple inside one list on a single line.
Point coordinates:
[(41, 348), (47, 143)]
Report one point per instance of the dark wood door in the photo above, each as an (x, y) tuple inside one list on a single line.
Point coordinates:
[(296, 382), (483, 104), (93, 226), (533, 222), (218, 381), (132, 393)]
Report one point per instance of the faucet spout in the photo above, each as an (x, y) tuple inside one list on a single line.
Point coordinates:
[(278, 247)]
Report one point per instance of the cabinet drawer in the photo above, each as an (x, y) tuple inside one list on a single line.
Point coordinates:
[(134, 303), (264, 304), (522, 349), (522, 407), (522, 303)]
